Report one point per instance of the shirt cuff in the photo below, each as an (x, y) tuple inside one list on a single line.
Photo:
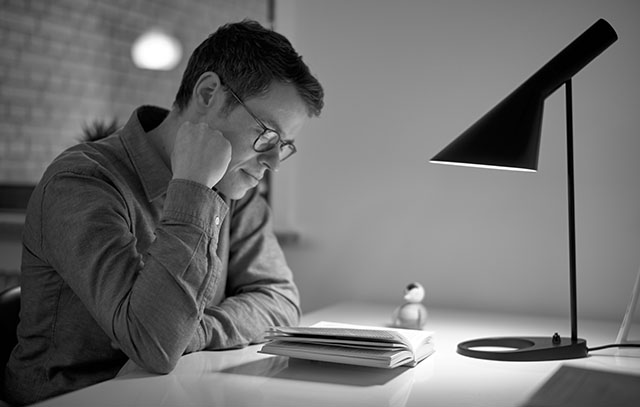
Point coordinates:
[(191, 202)]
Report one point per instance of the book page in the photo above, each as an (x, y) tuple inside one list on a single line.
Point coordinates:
[(385, 358), (333, 340), (343, 331), (414, 338)]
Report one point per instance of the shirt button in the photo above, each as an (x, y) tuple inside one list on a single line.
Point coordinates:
[(217, 220)]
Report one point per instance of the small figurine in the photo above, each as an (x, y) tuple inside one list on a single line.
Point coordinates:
[(412, 314)]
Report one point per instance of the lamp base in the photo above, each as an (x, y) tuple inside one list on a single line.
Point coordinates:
[(530, 348)]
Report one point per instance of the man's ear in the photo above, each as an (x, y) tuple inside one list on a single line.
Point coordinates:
[(206, 90)]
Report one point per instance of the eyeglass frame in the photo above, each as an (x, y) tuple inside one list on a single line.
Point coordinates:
[(278, 141)]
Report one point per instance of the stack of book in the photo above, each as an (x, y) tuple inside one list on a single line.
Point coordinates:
[(351, 344)]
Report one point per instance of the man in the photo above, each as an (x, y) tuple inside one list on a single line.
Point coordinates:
[(154, 242)]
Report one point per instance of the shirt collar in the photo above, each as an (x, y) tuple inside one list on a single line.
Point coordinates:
[(151, 169)]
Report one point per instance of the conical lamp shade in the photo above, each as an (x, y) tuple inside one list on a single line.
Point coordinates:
[(507, 137)]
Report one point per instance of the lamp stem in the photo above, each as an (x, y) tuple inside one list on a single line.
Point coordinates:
[(572, 215)]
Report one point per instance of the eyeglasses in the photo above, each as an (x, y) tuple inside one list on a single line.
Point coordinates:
[(268, 138)]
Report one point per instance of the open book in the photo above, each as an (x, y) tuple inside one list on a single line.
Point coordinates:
[(351, 344)]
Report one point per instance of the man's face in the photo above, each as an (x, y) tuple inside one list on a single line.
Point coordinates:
[(282, 110)]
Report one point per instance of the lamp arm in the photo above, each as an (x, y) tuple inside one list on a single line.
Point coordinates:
[(572, 58)]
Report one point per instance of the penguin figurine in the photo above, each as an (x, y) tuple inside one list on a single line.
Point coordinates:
[(412, 314)]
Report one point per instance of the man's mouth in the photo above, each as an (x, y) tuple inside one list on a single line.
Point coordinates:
[(254, 177)]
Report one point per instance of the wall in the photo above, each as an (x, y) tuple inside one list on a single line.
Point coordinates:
[(64, 64), (67, 63), (402, 80)]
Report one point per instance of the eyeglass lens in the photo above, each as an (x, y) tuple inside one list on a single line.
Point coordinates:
[(270, 139)]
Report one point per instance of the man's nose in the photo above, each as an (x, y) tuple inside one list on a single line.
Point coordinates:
[(271, 159)]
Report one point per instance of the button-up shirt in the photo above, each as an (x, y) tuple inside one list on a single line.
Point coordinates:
[(120, 261)]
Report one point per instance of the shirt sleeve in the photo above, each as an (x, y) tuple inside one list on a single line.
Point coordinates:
[(149, 304), (260, 288)]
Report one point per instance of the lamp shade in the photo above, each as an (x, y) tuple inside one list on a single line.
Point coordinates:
[(508, 136)]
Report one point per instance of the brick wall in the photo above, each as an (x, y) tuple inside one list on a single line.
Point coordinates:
[(65, 63)]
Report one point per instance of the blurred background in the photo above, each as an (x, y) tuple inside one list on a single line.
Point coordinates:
[(66, 65), (364, 211)]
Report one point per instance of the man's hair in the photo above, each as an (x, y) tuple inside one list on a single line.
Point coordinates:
[(248, 58)]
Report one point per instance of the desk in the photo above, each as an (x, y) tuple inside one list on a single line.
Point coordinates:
[(246, 378)]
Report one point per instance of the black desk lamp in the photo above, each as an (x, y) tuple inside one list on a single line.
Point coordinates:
[(508, 137)]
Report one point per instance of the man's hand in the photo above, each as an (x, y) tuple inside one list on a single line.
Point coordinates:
[(200, 154)]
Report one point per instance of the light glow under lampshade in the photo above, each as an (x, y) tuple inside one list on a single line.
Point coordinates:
[(156, 50)]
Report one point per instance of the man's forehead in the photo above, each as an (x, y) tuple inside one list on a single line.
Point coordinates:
[(284, 113)]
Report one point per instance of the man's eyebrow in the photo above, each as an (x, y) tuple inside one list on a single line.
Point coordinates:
[(269, 122), (274, 126)]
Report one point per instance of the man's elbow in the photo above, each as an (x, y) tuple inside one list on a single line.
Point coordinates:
[(156, 359), (160, 365)]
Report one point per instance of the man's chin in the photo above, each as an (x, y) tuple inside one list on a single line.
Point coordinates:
[(234, 193), (238, 194)]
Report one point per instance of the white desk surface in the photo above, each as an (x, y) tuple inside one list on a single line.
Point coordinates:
[(246, 378)]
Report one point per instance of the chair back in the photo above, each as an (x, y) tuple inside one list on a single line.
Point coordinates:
[(9, 317)]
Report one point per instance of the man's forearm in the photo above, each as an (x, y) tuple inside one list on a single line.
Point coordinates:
[(242, 319)]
